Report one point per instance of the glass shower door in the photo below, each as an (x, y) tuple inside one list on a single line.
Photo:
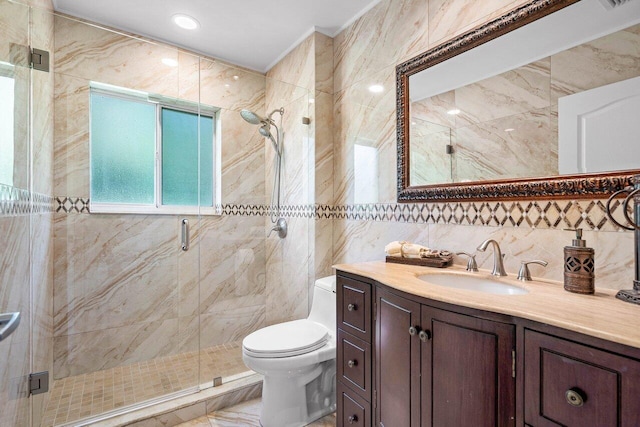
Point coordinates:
[(15, 220)]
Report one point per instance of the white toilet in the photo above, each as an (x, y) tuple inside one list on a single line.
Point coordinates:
[(298, 361)]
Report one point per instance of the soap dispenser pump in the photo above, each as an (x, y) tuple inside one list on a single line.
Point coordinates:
[(579, 266)]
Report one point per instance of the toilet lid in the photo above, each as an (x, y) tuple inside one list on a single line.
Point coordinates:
[(286, 339)]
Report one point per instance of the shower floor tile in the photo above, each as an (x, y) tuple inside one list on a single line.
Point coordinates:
[(245, 414), (82, 396)]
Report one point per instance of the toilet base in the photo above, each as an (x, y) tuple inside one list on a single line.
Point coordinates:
[(295, 401)]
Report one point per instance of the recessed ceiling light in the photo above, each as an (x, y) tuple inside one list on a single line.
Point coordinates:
[(185, 21), (236, 77), (376, 88), (453, 112), (170, 62)]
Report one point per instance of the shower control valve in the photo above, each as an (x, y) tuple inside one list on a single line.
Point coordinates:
[(280, 227)]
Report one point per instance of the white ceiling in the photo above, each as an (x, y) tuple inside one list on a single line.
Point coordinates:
[(251, 33)]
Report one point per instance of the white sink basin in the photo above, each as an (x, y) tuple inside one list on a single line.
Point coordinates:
[(472, 283)]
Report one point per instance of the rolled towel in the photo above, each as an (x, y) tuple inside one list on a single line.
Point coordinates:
[(412, 250), (394, 248)]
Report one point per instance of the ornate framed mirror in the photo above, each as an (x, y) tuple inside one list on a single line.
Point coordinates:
[(541, 102)]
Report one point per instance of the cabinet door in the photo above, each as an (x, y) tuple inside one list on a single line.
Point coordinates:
[(569, 384), (397, 361), (467, 375)]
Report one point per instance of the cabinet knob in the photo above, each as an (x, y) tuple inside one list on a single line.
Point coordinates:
[(352, 307), (352, 363), (424, 336), (575, 397), (352, 419), (413, 330)]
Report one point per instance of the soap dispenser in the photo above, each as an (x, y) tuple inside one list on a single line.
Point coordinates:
[(579, 266)]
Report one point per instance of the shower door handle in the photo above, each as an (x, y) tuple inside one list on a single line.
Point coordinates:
[(8, 323), (185, 234)]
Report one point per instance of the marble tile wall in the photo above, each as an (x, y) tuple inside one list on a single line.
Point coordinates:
[(124, 291), (366, 53)]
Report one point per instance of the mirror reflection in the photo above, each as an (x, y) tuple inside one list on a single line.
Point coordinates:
[(569, 109), (7, 94)]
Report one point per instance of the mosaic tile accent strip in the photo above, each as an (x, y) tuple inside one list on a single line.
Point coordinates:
[(587, 214), (16, 201)]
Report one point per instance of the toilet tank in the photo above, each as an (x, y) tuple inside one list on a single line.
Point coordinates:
[(323, 307)]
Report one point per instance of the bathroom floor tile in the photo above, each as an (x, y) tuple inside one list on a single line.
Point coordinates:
[(87, 395), (245, 414)]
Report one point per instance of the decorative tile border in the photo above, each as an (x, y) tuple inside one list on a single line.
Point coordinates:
[(16, 201), (553, 214)]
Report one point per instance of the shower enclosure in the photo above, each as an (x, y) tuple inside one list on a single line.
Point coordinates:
[(143, 259)]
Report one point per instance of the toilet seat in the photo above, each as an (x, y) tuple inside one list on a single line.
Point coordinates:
[(286, 339)]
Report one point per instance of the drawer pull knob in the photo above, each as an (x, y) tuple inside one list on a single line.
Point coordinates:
[(413, 330), (352, 419), (424, 336), (574, 397), (352, 363), (352, 307)]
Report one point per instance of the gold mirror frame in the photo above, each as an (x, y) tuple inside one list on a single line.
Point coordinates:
[(599, 185)]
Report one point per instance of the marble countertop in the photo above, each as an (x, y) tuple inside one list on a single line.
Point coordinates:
[(600, 315)]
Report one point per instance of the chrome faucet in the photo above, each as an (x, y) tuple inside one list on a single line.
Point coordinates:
[(498, 266)]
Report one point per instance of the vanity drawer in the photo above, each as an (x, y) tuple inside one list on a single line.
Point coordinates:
[(570, 384), (354, 307), (354, 363), (353, 410)]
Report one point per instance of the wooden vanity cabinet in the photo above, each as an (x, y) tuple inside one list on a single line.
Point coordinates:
[(407, 361), (440, 368), (571, 384), (354, 352)]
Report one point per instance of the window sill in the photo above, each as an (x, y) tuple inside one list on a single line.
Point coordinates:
[(106, 208)]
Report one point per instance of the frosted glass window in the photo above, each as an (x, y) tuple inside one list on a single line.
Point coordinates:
[(122, 150), (6, 129), (150, 154), (180, 158)]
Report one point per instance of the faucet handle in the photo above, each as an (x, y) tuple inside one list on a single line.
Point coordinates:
[(524, 274), (471, 263)]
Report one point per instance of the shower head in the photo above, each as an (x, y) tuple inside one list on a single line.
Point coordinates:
[(264, 131), (252, 117)]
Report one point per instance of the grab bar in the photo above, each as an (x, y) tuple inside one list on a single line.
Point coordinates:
[(185, 234), (8, 323)]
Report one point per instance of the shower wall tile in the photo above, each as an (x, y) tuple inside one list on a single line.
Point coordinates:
[(120, 346), (71, 136), (323, 71), (298, 66), (95, 289), (99, 55), (394, 30), (21, 128), (232, 263), (230, 325), (225, 86), (243, 160)]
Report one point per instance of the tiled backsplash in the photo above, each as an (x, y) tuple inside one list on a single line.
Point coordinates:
[(545, 214)]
